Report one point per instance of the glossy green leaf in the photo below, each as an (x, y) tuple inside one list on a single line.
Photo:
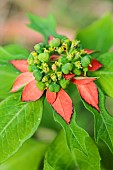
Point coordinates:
[(80, 142), (105, 74), (7, 76), (74, 134), (45, 26), (17, 50), (103, 122), (7, 72), (12, 52), (28, 157), (99, 35), (58, 156), (18, 122)]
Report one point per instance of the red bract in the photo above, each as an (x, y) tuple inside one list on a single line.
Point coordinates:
[(21, 65), (95, 65), (50, 96), (63, 105), (89, 51), (31, 92), (60, 101), (88, 91)]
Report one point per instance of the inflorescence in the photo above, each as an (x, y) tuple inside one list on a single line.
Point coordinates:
[(50, 62)]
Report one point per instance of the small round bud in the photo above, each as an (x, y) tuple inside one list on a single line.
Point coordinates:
[(77, 71), (85, 61), (37, 74), (64, 83), (66, 68), (45, 79), (54, 87), (55, 42), (53, 77), (43, 57), (40, 85), (39, 47)]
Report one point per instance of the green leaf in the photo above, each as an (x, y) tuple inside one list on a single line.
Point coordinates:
[(45, 26), (105, 74), (99, 35), (19, 120), (74, 134), (103, 122), (7, 76), (12, 52), (7, 72), (80, 143), (58, 156), (17, 50), (28, 157)]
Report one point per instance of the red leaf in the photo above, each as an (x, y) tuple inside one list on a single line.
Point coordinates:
[(88, 91), (63, 105), (50, 96), (54, 57), (89, 51), (82, 80), (68, 76), (95, 65), (21, 80), (31, 92), (21, 65)]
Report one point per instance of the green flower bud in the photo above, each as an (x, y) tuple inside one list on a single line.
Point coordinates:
[(78, 64), (45, 79), (66, 68), (43, 57), (59, 75), (64, 83), (55, 42), (63, 60), (39, 47), (60, 50), (30, 59), (54, 87), (37, 74), (53, 77), (46, 69), (40, 85), (77, 71), (86, 60), (53, 67)]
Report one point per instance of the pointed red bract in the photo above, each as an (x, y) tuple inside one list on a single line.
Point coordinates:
[(50, 96), (21, 65), (82, 80), (95, 65), (68, 76), (89, 51), (22, 80), (31, 92), (63, 105), (88, 91)]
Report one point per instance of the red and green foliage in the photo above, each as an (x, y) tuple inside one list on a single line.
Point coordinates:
[(64, 73)]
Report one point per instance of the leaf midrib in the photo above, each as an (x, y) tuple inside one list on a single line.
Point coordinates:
[(13, 118)]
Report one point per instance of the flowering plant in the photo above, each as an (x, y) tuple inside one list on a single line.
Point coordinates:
[(56, 67)]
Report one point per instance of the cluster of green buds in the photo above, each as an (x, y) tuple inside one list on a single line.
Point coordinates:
[(69, 58)]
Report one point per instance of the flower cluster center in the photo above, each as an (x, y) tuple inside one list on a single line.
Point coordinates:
[(52, 61)]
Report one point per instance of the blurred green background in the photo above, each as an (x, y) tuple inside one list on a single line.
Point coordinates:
[(70, 15)]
